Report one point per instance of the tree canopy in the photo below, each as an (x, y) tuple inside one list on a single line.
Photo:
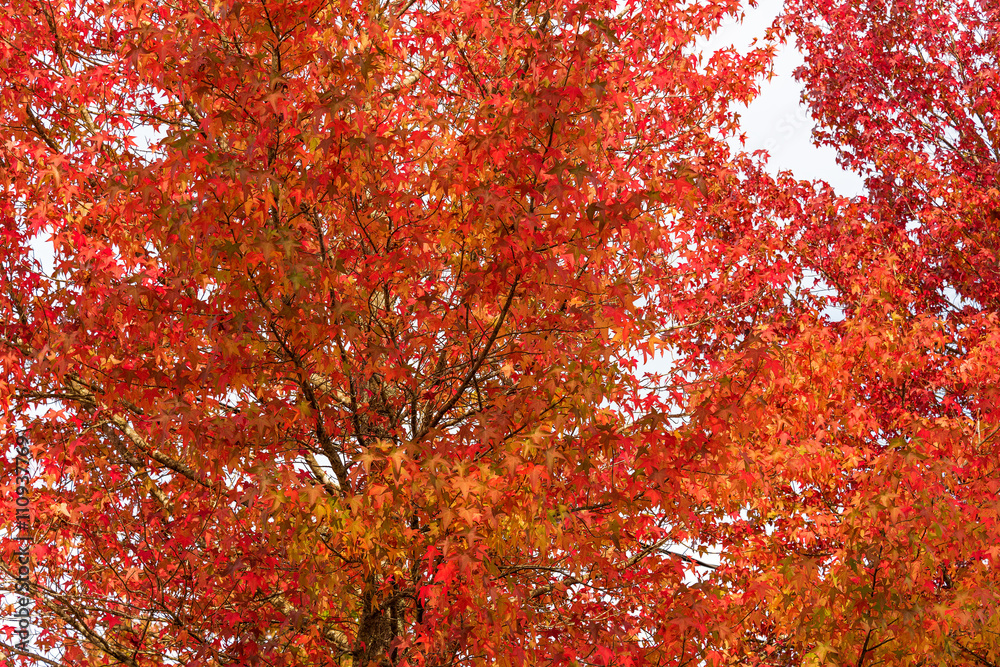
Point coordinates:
[(437, 333)]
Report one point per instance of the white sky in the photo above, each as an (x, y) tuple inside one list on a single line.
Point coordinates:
[(776, 121)]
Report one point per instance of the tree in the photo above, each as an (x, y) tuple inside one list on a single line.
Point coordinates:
[(869, 421), (338, 359), (341, 357)]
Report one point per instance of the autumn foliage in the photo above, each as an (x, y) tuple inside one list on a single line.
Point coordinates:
[(871, 430), (457, 333)]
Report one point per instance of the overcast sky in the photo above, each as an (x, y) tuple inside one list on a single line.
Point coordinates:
[(776, 121)]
